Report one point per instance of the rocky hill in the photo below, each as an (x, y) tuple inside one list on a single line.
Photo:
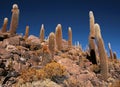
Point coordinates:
[(30, 61)]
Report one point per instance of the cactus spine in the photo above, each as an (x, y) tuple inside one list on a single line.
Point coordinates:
[(92, 44), (4, 27), (42, 33), (102, 52), (52, 43), (58, 35), (14, 19), (110, 50), (26, 32), (70, 37)]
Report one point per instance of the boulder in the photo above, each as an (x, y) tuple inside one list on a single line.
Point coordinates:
[(11, 48), (70, 66), (33, 39), (4, 54), (39, 83), (33, 43), (12, 41)]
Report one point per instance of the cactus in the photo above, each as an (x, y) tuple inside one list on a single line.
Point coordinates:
[(92, 44), (92, 30), (58, 35), (92, 47), (102, 52), (75, 45), (46, 57), (70, 37), (79, 46), (42, 33), (114, 55), (14, 19), (4, 27), (52, 43), (110, 50), (26, 32)]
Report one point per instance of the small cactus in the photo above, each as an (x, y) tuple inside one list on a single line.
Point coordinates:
[(26, 32), (70, 37), (46, 57), (52, 43), (79, 46), (58, 35), (102, 52), (4, 27), (42, 33), (110, 50), (14, 19)]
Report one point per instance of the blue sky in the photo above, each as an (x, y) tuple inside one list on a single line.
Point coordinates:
[(69, 13)]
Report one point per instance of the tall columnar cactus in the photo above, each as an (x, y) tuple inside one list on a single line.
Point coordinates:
[(42, 31), (70, 37), (114, 55), (58, 35), (14, 19), (4, 27), (92, 44), (110, 50), (93, 53), (92, 21), (26, 32), (52, 43), (102, 52)]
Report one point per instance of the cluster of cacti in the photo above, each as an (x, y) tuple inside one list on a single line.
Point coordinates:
[(91, 39), (58, 35), (55, 41), (14, 19), (26, 32), (95, 35), (102, 52), (69, 37), (112, 54), (42, 33), (52, 43), (4, 27)]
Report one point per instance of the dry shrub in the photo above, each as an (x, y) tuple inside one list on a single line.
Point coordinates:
[(54, 69), (28, 75), (115, 84), (48, 71)]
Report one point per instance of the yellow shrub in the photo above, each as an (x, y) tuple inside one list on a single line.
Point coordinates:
[(27, 75), (54, 69), (48, 71)]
